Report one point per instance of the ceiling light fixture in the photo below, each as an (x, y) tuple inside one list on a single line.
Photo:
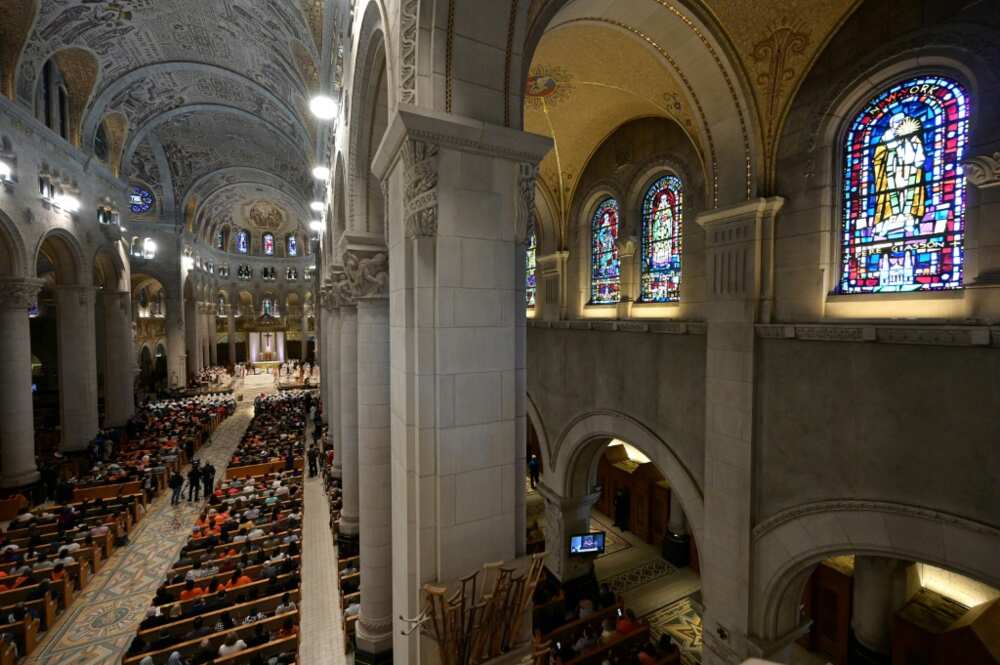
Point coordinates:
[(317, 206), (323, 107), (321, 173), (316, 226)]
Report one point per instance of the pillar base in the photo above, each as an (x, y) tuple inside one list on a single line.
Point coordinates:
[(19, 480), (364, 657)]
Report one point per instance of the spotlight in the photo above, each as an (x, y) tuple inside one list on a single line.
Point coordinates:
[(316, 226), (67, 202), (321, 173), (317, 206), (323, 107)]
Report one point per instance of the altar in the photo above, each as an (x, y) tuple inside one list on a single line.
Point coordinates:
[(266, 346)]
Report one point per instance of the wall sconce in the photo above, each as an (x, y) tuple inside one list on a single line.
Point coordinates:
[(149, 249)]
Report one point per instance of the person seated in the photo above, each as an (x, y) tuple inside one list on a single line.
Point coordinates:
[(586, 640), (584, 608), (288, 629), (259, 637), (627, 623), (606, 597), (238, 579), (608, 631), (191, 591), (153, 619), (198, 629), (286, 605), (233, 644)]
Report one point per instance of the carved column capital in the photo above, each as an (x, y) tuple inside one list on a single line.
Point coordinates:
[(19, 292), (420, 197), (983, 171), (367, 274)]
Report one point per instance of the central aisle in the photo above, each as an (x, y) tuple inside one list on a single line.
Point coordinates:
[(98, 626)]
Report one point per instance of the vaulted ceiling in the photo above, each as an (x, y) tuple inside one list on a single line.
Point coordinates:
[(214, 94)]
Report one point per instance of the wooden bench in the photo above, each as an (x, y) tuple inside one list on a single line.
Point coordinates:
[(25, 634), (45, 608), (595, 620), (595, 655), (238, 612), (251, 571), (264, 651)]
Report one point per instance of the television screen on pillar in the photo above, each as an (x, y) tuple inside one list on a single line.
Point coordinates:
[(587, 543)]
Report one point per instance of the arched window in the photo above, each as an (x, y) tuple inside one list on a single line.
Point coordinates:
[(267, 243), (101, 150), (292, 245), (605, 271), (221, 237), (530, 280), (662, 222), (242, 241), (904, 191)]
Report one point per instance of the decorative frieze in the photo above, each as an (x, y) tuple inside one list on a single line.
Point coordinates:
[(420, 160), (368, 276), (983, 171), (19, 293), (525, 221)]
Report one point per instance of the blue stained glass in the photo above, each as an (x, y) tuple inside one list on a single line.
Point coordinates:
[(605, 271), (140, 200), (903, 222), (243, 242), (530, 280), (267, 241), (662, 235), (293, 246)]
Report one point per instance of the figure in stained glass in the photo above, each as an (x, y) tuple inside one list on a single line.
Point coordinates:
[(904, 189), (662, 219), (530, 281), (605, 283), (243, 242)]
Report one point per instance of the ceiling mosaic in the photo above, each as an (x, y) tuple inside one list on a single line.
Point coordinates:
[(253, 206), (220, 86)]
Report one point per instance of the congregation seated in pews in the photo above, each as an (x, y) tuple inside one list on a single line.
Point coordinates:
[(276, 433), (595, 629), (232, 595)]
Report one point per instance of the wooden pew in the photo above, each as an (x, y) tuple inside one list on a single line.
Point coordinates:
[(25, 633), (265, 651), (595, 620), (110, 491), (63, 587), (239, 612), (595, 655), (45, 608), (259, 585)]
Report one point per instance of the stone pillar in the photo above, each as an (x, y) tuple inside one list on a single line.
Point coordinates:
[(331, 365), (627, 250), (454, 350), (736, 243), (17, 425), (563, 518), (881, 587), (191, 338), (324, 303), (676, 523), (305, 340), (119, 368), (77, 365), (374, 634), (176, 342), (349, 422), (551, 296), (213, 338), (231, 334), (205, 334)]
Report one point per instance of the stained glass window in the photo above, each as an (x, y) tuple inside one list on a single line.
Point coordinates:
[(662, 226), (904, 190), (267, 242), (605, 273), (140, 200), (530, 280), (293, 245), (242, 242)]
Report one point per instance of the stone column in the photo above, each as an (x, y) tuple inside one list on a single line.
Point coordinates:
[(305, 340), (676, 523), (191, 338), (563, 518), (331, 365), (881, 587), (454, 347), (17, 425), (736, 245), (677, 543), (213, 338), (374, 638), (324, 303), (119, 368), (551, 271), (77, 365), (205, 334), (349, 423), (627, 250), (231, 333), (176, 342)]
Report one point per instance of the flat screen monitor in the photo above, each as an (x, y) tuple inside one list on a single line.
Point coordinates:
[(587, 543)]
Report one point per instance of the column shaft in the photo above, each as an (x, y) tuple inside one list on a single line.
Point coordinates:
[(213, 344), (17, 427), (331, 352), (77, 365), (231, 335), (349, 419), (176, 343), (375, 622), (119, 368)]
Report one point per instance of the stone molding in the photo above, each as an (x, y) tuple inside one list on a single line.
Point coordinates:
[(408, 51), (861, 505), (632, 325), (19, 292), (983, 171), (368, 275), (82, 291), (420, 197), (923, 335)]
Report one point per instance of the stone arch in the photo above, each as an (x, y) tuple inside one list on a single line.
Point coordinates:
[(372, 95), (110, 269), (115, 131), (64, 252), (788, 546), (80, 70), (577, 451), (535, 418), (12, 250), (19, 17)]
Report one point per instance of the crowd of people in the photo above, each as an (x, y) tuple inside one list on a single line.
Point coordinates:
[(277, 431), (209, 377)]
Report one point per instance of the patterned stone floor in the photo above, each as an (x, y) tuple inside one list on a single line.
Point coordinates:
[(99, 625), (682, 621)]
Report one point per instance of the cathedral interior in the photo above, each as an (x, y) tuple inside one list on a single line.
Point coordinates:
[(513, 332)]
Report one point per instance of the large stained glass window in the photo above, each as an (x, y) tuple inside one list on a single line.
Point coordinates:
[(530, 280), (662, 226), (904, 190), (242, 242), (292, 245), (605, 273), (140, 200), (267, 242)]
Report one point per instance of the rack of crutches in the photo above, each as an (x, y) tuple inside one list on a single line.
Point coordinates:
[(485, 617)]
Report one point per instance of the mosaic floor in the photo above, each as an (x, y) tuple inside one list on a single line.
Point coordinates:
[(100, 624), (644, 573), (682, 622)]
